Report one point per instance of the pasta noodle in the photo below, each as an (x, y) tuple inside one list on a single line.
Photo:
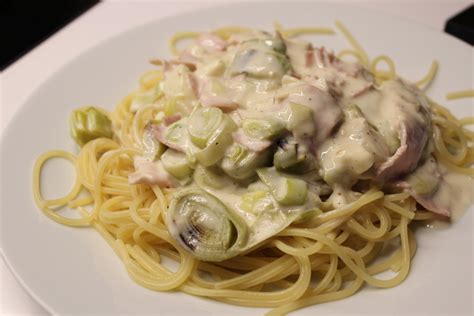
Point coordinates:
[(460, 94), (327, 258)]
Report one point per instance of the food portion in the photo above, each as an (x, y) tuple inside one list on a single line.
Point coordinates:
[(261, 162), (286, 125)]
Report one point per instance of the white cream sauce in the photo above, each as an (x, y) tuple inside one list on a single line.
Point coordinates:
[(355, 123), (455, 192)]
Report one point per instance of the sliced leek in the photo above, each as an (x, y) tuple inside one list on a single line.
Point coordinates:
[(240, 163), (263, 128), (211, 177), (286, 190), (291, 191), (293, 157), (300, 120), (89, 123), (256, 202), (143, 98), (205, 226), (217, 143), (176, 163), (177, 133), (261, 59), (426, 179), (286, 156), (273, 43)]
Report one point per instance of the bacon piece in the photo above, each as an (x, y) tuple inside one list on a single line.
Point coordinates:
[(364, 88)]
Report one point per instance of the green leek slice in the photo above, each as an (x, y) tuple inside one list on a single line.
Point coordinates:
[(203, 122), (176, 163), (89, 123), (211, 177), (300, 120), (240, 163), (291, 191), (217, 143), (263, 128), (286, 190), (286, 156), (177, 133)]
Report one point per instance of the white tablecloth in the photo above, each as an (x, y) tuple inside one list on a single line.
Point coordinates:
[(110, 18)]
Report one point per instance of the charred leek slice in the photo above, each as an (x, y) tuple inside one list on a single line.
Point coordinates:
[(286, 155), (204, 226), (293, 157), (203, 122), (89, 123), (217, 143), (240, 163), (286, 190), (176, 163)]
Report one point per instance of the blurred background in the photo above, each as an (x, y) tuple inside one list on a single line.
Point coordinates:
[(25, 24), (38, 37)]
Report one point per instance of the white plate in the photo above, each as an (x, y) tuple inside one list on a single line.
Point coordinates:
[(73, 271)]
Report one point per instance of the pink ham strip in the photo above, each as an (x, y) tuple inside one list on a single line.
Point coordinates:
[(211, 43), (309, 57), (427, 200), (407, 155), (193, 83), (148, 172), (186, 59), (223, 103), (168, 120), (366, 87), (413, 138), (207, 98), (255, 145)]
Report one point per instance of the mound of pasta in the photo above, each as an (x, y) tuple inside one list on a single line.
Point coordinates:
[(274, 173)]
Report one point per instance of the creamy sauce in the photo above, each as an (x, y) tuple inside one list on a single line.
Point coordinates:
[(456, 192), (321, 116)]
